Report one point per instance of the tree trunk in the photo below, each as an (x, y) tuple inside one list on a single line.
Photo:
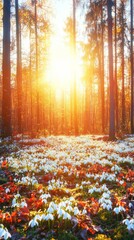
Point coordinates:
[(37, 67), (115, 75), (132, 71), (19, 69), (111, 80), (102, 73), (6, 68), (122, 56), (75, 87)]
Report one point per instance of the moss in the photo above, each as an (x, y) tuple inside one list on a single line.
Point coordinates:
[(102, 237), (121, 233), (63, 236), (107, 218)]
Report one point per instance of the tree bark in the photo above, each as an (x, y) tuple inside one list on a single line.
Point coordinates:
[(102, 73), (111, 80), (75, 87), (122, 56), (115, 70), (19, 69), (6, 68), (132, 71), (37, 67)]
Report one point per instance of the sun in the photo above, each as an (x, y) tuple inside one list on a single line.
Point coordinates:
[(61, 67)]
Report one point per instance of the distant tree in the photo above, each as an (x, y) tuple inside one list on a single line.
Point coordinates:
[(122, 45), (6, 98), (75, 87), (96, 25), (102, 70), (115, 68), (37, 64), (69, 32), (111, 79)]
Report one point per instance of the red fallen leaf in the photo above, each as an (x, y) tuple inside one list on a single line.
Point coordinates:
[(7, 218), (124, 184), (1, 188), (59, 173), (81, 204), (1, 200), (1, 214), (25, 210), (130, 190), (38, 204), (4, 164), (14, 216), (91, 230), (40, 187), (23, 214), (19, 220), (47, 177)]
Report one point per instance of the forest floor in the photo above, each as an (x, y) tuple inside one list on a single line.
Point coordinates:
[(67, 188)]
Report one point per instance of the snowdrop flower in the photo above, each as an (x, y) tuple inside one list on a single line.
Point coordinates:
[(91, 190), (53, 180), (106, 195), (44, 200), (115, 168), (129, 223), (7, 190), (4, 232), (121, 182), (23, 204), (84, 211), (107, 206), (50, 209), (126, 221), (119, 209), (49, 216), (76, 211), (53, 205), (14, 203), (105, 201), (104, 187), (38, 217), (43, 217), (67, 216), (44, 197), (50, 187), (71, 199), (40, 191), (33, 223), (62, 204), (69, 208), (60, 212), (94, 189), (17, 195), (130, 205)]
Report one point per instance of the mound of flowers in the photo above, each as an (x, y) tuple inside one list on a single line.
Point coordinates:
[(67, 188)]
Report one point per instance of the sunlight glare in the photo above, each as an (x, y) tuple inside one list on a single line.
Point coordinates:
[(60, 68)]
